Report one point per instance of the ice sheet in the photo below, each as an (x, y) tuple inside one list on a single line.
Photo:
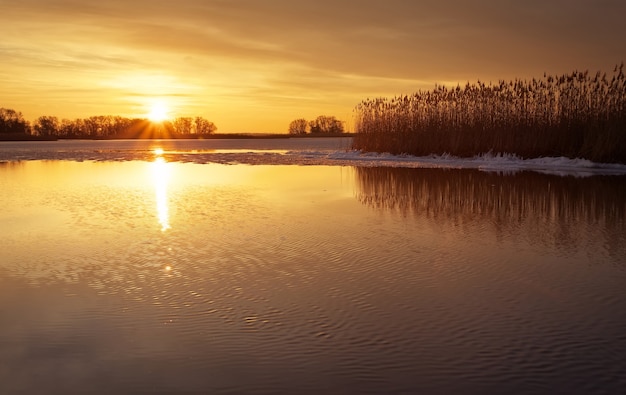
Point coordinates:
[(502, 163)]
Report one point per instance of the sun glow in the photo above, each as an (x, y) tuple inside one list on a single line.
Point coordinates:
[(159, 112)]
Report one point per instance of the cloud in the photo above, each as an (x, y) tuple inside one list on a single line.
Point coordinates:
[(227, 49)]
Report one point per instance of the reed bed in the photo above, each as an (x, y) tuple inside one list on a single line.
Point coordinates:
[(577, 115)]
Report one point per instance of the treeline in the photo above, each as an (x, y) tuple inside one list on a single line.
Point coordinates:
[(321, 125), (103, 126), (577, 115)]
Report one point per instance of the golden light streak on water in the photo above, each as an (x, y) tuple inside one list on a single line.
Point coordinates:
[(161, 172)]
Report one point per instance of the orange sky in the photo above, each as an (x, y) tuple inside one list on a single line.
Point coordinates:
[(253, 66)]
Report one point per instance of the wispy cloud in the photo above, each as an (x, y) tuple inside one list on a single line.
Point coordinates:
[(280, 58)]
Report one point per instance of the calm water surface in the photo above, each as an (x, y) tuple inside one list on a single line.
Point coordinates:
[(154, 277)]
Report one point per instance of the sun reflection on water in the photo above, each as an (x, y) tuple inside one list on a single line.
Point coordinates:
[(161, 172)]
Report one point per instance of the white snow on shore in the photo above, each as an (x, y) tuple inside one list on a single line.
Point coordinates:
[(501, 163)]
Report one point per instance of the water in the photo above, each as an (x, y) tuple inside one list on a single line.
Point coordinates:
[(138, 274)]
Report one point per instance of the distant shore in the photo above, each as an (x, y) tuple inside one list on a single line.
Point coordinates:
[(25, 137), (28, 137)]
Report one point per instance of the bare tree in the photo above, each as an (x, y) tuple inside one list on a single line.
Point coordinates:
[(12, 121), (46, 126), (69, 128), (183, 125), (326, 124), (298, 126), (203, 126)]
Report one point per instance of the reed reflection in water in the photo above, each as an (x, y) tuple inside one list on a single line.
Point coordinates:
[(546, 209)]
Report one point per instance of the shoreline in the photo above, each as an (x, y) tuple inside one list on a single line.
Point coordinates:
[(25, 137), (216, 136)]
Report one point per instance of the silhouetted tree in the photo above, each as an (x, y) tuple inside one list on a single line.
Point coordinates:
[(91, 127), (326, 124), (203, 126), (12, 121), (120, 125), (298, 126), (46, 126), (69, 128), (183, 125)]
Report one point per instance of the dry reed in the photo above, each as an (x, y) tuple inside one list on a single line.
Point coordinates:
[(575, 115)]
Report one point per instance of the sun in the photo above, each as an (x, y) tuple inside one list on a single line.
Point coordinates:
[(158, 112)]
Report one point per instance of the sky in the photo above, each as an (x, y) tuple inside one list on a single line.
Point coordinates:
[(253, 66)]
